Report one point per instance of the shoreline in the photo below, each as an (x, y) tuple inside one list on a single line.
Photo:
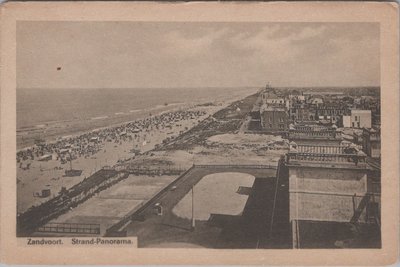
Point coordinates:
[(94, 125), (59, 130), (52, 130), (50, 174)]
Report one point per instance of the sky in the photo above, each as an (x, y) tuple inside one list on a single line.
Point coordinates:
[(196, 54)]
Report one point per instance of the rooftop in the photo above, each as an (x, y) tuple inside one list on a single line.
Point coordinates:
[(266, 107), (361, 110), (334, 156)]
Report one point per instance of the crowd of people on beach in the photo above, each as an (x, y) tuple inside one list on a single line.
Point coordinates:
[(88, 144)]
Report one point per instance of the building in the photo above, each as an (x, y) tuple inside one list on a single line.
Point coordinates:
[(332, 112), (274, 119), (360, 118), (314, 135), (346, 121), (300, 112), (328, 189), (295, 97), (316, 109), (269, 97), (324, 93), (255, 119), (358, 137), (376, 120), (372, 142), (316, 101)]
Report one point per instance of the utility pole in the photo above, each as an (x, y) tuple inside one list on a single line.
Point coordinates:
[(193, 220)]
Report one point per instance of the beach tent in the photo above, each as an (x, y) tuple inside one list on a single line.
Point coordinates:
[(64, 150), (94, 139), (46, 157)]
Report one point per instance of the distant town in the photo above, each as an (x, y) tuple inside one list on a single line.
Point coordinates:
[(280, 168), (278, 110)]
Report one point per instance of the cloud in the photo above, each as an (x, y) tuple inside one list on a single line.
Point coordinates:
[(153, 54), (270, 44), (180, 44)]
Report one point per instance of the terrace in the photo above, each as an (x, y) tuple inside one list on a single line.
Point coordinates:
[(345, 156), (314, 134)]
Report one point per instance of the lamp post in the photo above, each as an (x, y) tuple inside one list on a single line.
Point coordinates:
[(193, 220)]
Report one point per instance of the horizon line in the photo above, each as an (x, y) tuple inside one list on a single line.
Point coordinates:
[(201, 87)]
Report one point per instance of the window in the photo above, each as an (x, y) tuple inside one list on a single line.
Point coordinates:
[(355, 118)]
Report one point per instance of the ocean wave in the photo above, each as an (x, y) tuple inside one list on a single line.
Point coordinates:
[(99, 118)]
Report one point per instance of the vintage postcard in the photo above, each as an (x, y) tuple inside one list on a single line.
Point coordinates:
[(199, 133)]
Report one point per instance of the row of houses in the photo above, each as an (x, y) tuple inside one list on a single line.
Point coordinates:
[(277, 111), (331, 185), (279, 114)]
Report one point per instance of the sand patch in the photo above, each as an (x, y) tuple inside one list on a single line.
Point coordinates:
[(242, 139)]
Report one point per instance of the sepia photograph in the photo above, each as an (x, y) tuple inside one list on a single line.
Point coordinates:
[(216, 135), (178, 134)]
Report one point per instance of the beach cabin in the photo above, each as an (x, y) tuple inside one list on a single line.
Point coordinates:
[(94, 139), (67, 146), (158, 209), (64, 151), (46, 193), (46, 157)]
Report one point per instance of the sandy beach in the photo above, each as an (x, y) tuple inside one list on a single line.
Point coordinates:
[(78, 118), (114, 144)]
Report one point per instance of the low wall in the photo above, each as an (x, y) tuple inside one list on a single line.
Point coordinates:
[(115, 230)]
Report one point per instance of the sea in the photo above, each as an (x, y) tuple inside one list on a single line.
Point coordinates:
[(41, 108)]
